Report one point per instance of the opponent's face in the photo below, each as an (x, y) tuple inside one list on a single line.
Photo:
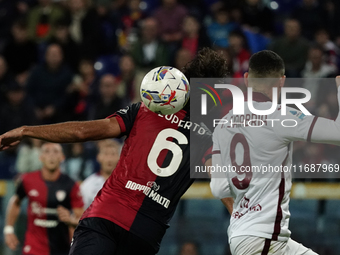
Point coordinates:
[(108, 158), (51, 156)]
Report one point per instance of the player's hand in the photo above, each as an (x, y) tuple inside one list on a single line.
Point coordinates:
[(337, 79), (11, 241), (11, 139), (64, 215)]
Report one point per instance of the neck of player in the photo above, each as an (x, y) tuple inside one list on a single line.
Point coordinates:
[(105, 174), (50, 174)]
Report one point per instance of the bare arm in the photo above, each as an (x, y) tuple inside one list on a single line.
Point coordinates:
[(228, 203), (67, 132), (69, 219), (12, 213)]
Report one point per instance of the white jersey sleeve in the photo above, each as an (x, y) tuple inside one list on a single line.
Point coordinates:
[(310, 128), (295, 126)]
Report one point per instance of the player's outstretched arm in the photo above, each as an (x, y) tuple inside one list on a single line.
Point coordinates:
[(12, 213), (67, 132)]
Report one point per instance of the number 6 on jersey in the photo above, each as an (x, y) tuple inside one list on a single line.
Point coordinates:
[(161, 143)]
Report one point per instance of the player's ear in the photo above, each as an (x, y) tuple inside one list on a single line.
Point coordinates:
[(282, 81), (245, 76), (62, 157), (98, 157)]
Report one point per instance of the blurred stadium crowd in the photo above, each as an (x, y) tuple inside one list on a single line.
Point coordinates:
[(64, 60), (80, 60)]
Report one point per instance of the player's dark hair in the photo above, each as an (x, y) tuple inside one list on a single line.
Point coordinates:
[(266, 64), (207, 64)]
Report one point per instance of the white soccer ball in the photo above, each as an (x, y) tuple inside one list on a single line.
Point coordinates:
[(165, 90)]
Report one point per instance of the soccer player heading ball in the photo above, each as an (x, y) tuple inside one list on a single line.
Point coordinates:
[(131, 213)]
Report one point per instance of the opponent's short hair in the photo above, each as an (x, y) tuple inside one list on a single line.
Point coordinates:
[(266, 64), (206, 64)]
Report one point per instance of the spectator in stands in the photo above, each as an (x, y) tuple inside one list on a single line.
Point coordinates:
[(198, 8), (239, 52), (330, 50), (170, 17), (149, 51), (310, 17), (9, 13), (194, 38), (20, 52), (183, 56), (77, 165), (109, 24), (130, 16), (292, 48), (189, 248), (107, 157), (5, 78), (220, 29), (17, 110), (84, 27), (47, 85), (42, 19), (331, 17), (314, 154), (28, 156), (258, 17), (61, 36), (84, 90), (129, 80), (316, 68), (109, 102)]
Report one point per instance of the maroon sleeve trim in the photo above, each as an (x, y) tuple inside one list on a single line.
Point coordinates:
[(311, 129), (207, 155), (120, 122), (216, 152)]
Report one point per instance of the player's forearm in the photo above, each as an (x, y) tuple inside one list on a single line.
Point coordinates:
[(326, 131), (73, 221), (13, 210), (69, 132), (75, 217)]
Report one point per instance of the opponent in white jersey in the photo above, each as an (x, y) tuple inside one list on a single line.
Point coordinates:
[(107, 157), (260, 217)]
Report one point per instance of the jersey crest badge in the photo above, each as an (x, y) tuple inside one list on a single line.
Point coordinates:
[(60, 195), (298, 114)]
